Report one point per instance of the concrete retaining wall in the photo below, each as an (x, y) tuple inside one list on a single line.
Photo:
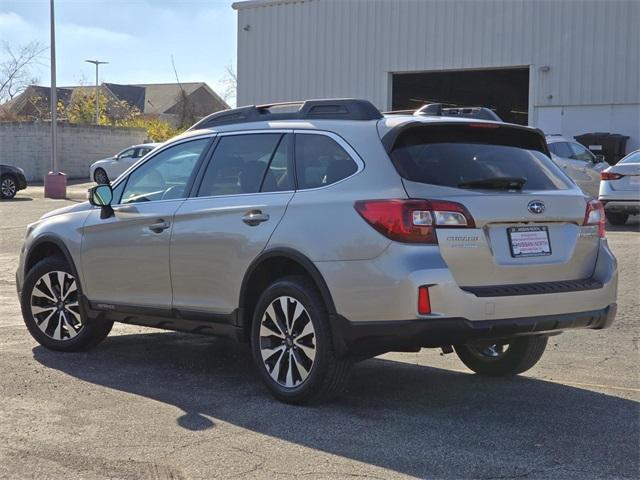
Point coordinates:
[(28, 146)]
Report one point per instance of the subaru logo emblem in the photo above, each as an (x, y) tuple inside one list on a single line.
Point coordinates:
[(536, 206)]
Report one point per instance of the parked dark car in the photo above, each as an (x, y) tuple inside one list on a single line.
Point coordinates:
[(11, 180)]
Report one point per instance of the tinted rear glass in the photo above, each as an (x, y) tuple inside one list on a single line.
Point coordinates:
[(448, 155)]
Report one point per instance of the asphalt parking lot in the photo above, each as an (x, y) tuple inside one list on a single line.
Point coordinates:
[(162, 405)]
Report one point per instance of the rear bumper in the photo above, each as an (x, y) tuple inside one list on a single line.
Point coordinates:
[(374, 338), (622, 206), (386, 288)]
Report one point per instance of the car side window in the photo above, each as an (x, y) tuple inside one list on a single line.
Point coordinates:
[(164, 176), (579, 152), (561, 149), (239, 164), (279, 176), (127, 153), (320, 161), (140, 152)]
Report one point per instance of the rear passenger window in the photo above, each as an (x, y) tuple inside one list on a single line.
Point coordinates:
[(239, 164), (320, 161), (279, 177)]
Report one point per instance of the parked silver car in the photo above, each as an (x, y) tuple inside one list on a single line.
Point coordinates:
[(578, 162), (329, 234), (620, 189), (105, 170)]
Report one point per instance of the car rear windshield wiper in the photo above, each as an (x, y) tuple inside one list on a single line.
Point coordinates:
[(498, 183)]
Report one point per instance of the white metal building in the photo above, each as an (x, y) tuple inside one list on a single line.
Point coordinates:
[(566, 66)]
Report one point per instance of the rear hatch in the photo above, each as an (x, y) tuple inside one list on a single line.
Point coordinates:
[(528, 214)]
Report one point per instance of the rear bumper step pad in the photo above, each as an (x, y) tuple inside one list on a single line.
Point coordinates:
[(539, 288)]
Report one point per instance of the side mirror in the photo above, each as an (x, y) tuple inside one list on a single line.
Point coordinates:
[(102, 196), (599, 158)]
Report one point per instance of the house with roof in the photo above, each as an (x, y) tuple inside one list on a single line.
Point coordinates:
[(177, 103)]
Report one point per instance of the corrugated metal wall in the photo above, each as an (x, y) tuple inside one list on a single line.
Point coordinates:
[(347, 48)]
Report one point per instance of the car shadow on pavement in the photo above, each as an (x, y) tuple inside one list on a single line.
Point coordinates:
[(16, 199), (632, 225), (416, 420)]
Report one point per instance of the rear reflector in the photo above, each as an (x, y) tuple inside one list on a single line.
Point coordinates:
[(424, 304), (594, 215), (610, 176), (413, 221)]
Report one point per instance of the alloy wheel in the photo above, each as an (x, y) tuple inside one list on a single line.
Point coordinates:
[(54, 305), (8, 187), (287, 342), (101, 177)]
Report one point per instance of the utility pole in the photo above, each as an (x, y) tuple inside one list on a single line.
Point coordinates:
[(53, 96), (97, 63)]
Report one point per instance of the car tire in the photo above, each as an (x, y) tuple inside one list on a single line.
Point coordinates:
[(292, 345), (100, 176), (50, 301), (522, 354), (616, 218), (8, 187)]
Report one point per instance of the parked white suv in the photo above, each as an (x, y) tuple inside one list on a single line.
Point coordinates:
[(108, 169)]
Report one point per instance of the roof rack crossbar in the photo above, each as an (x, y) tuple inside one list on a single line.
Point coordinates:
[(333, 109)]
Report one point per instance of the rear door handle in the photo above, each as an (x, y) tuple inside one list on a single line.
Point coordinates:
[(159, 226), (255, 217)]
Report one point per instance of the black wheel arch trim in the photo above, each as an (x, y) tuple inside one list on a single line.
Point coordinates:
[(58, 242), (297, 257)]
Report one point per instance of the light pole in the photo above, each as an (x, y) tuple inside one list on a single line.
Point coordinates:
[(54, 95), (97, 63), (55, 182)]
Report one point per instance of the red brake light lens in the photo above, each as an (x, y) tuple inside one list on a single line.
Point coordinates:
[(413, 221), (610, 176), (594, 215)]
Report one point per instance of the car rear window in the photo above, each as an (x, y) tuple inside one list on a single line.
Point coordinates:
[(449, 155), (631, 158)]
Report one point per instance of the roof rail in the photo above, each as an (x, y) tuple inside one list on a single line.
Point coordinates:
[(436, 109), (332, 109)]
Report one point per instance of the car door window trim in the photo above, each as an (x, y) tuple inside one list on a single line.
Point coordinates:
[(189, 186), (342, 143), (198, 183)]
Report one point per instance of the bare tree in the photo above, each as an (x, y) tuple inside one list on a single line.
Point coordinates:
[(16, 67), (229, 83)]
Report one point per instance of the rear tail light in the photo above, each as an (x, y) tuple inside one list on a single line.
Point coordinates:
[(610, 176), (424, 304), (595, 216), (413, 221)]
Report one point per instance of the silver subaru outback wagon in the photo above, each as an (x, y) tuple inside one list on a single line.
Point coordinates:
[(326, 232)]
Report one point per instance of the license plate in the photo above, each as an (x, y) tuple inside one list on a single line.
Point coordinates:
[(634, 179), (529, 241)]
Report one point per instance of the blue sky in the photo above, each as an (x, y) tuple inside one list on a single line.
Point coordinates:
[(137, 37)]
